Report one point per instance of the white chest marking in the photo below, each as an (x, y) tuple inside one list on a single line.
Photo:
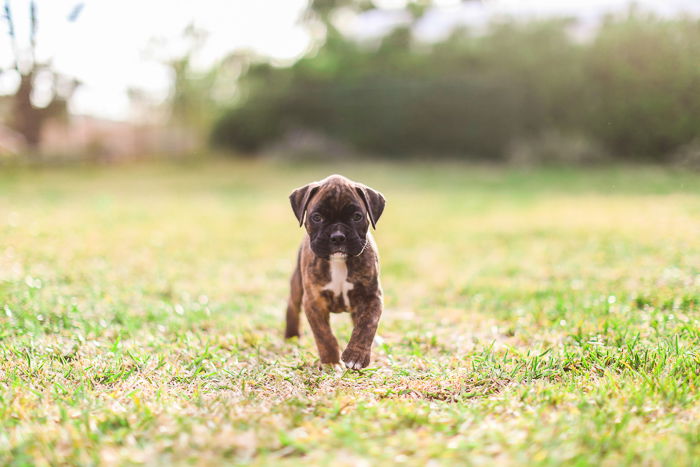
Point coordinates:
[(339, 284)]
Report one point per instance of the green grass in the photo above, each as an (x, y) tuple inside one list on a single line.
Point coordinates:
[(532, 318)]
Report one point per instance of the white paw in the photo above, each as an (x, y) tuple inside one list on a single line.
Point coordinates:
[(355, 359), (353, 365)]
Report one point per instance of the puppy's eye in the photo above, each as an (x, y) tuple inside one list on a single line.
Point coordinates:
[(316, 218), (357, 217)]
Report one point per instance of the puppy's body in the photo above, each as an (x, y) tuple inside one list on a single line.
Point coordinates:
[(337, 267)]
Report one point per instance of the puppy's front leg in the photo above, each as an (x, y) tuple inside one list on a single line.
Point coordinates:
[(319, 322), (365, 319)]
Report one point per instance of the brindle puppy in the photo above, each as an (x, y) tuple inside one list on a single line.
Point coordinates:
[(337, 267)]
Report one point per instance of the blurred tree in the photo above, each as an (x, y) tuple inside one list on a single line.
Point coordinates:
[(469, 95), (27, 117), (632, 90), (190, 99), (325, 12), (643, 80), (196, 93)]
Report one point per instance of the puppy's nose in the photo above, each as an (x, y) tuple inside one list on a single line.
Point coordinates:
[(337, 237)]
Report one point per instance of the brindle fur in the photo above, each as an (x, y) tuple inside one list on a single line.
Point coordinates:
[(313, 272)]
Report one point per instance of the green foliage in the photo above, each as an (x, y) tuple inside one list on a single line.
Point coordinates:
[(634, 88), (249, 128), (643, 86)]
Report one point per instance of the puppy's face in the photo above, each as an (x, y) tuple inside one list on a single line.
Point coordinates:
[(337, 223), (337, 213)]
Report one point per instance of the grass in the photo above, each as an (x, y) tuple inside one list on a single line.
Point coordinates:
[(532, 318)]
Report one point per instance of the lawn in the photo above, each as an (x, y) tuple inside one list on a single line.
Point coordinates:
[(533, 317)]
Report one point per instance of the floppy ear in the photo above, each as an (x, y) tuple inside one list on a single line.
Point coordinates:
[(300, 200), (374, 202)]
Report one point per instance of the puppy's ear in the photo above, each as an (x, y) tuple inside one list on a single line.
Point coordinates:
[(300, 199), (374, 202)]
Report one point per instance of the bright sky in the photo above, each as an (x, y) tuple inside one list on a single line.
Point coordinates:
[(110, 47)]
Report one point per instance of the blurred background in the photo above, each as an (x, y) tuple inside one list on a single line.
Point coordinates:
[(521, 82)]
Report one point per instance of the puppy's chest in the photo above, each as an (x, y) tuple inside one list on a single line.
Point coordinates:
[(339, 286)]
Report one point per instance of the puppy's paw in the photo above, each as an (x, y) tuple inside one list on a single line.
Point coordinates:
[(355, 359), (329, 368)]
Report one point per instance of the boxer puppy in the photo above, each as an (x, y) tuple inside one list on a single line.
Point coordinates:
[(337, 266)]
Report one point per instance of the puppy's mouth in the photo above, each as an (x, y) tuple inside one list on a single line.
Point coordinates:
[(346, 251), (350, 250)]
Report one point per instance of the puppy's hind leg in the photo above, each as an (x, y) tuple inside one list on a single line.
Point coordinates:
[(294, 304)]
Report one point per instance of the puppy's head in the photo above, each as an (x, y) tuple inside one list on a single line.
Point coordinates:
[(337, 213)]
